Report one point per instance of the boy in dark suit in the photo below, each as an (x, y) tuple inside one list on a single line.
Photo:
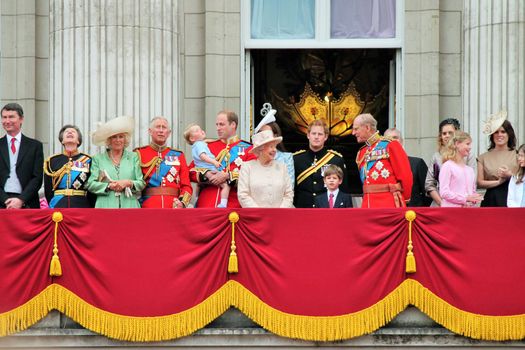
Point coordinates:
[(333, 198)]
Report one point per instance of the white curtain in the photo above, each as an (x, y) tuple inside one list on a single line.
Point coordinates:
[(363, 19), (283, 19)]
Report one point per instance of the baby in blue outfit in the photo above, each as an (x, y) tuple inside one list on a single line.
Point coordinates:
[(203, 158)]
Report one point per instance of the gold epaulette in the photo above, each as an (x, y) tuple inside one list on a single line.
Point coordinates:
[(386, 138), (299, 152), (335, 152)]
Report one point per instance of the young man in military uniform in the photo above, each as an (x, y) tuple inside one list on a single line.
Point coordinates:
[(165, 170), (310, 165), (231, 152), (383, 166)]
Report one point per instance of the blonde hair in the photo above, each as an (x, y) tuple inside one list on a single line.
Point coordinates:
[(127, 139), (451, 151), (187, 133), (321, 123)]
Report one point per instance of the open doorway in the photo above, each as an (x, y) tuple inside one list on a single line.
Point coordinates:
[(331, 84)]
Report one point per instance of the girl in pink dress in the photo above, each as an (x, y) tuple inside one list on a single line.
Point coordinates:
[(457, 181)]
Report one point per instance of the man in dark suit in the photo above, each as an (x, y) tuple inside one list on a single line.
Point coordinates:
[(419, 172), (333, 198), (21, 162)]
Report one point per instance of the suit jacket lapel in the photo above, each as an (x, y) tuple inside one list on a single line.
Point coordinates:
[(23, 150), (4, 153), (338, 200)]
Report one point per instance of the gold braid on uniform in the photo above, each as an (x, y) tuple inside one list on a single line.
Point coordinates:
[(152, 164), (56, 175)]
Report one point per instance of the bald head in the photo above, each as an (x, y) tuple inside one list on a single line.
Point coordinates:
[(395, 134)]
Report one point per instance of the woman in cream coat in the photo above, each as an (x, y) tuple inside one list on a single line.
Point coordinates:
[(264, 182), (116, 176)]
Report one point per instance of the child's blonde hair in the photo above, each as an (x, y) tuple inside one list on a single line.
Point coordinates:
[(451, 151), (333, 169), (187, 133)]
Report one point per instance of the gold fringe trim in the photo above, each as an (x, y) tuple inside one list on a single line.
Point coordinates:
[(128, 328), (330, 328), (28, 314), (319, 328), (316, 328)]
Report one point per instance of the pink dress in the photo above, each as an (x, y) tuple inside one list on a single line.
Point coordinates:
[(456, 182)]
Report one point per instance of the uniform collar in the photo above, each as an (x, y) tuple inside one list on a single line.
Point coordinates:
[(70, 155), (373, 139), (158, 148), (319, 153), (232, 139)]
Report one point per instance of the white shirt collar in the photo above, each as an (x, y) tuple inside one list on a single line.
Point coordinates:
[(336, 192), (17, 137)]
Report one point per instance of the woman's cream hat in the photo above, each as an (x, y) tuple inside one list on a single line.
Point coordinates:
[(262, 138), (112, 127), (494, 122)]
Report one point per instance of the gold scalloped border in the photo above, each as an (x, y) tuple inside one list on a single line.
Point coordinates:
[(317, 328)]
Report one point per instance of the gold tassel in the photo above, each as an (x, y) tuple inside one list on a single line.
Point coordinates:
[(55, 268), (233, 264), (410, 267)]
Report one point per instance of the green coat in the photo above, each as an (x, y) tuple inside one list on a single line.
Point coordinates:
[(129, 170)]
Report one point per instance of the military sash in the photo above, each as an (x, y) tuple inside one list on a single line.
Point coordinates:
[(371, 157), (72, 175), (164, 168), (313, 168)]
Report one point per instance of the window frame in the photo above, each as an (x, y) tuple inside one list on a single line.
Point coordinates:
[(322, 40)]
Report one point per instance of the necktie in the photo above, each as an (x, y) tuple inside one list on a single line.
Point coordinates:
[(13, 147), (331, 200)]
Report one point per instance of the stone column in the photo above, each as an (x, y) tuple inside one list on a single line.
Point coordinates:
[(494, 58), (24, 62), (111, 58)]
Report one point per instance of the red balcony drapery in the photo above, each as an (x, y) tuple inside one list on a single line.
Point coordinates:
[(320, 274)]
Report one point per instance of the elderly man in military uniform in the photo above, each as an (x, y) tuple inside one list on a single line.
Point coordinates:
[(165, 170), (383, 166), (310, 165)]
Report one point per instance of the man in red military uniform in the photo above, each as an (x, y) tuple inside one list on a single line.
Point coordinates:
[(165, 170), (383, 166), (231, 152)]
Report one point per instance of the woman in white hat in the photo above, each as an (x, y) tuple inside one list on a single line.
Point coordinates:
[(269, 123), (264, 182), (497, 166), (115, 174)]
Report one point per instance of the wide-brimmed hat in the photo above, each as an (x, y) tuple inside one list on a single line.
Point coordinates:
[(112, 127), (494, 122), (268, 114), (262, 138)]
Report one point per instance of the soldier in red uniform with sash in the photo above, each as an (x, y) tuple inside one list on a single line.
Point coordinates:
[(165, 170), (383, 166), (231, 152)]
